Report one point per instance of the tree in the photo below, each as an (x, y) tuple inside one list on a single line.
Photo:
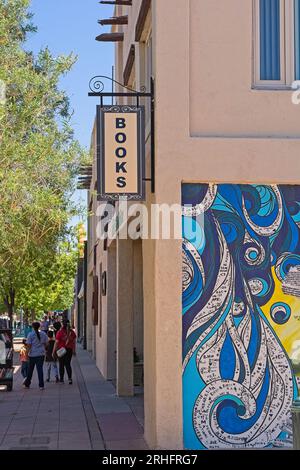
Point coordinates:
[(51, 285), (39, 158)]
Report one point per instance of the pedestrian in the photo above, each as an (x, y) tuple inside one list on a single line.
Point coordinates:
[(37, 341), (24, 359), (45, 324), (50, 360), (56, 326), (65, 347)]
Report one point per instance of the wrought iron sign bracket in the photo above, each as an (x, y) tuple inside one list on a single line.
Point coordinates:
[(97, 87)]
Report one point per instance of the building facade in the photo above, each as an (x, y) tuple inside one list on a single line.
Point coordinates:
[(214, 319)]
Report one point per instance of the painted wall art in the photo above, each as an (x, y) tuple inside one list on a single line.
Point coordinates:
[(241, 314)]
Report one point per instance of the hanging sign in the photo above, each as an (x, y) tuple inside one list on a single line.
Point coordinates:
[(121, 152)]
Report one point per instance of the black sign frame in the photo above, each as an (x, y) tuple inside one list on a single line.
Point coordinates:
[(102, 195)]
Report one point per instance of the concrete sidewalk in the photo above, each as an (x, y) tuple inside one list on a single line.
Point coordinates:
[(84, 416)]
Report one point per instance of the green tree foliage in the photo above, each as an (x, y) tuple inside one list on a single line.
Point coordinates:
[(39, 160), (50, 285)]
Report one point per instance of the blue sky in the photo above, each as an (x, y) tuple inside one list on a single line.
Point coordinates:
[(71, 26), (67, 26)]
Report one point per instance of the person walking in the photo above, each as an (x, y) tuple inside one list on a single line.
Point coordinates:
[(50, 360), (45, 324), (37, 341), (24, 359), (65, 347), (56, 326)]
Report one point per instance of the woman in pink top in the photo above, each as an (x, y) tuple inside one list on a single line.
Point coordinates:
[(65, 338)]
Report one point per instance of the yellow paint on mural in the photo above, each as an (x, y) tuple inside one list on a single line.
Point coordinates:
[(289, 332)]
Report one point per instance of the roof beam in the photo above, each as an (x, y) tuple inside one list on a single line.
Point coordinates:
[(110, 37), (144, 10), (114, 20), (129, 65), (127, 3)]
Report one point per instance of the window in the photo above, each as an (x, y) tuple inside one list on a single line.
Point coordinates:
[(277, 43), (269, 37)]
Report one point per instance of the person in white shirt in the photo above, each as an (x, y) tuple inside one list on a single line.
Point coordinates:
[(37, 341)]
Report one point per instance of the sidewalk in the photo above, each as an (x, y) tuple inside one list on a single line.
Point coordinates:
[(84, 416)]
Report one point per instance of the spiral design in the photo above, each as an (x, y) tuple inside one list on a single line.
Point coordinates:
[(238, 382), (280, 313), (96, 85), (188, 272)]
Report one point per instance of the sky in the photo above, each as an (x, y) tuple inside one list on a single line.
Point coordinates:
[(71, 26), (67, 26)]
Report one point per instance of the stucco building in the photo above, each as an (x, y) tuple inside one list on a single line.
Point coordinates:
[(215, 322)]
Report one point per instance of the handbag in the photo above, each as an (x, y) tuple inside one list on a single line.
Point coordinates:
[(61, 352)]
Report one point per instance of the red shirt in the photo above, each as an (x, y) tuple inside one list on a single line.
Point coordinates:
[(66, 340), (24, 354)]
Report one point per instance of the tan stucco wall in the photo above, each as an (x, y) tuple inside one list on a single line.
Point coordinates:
[(101, 341), (190, 101), (106, 342), (125, 317), (111, 313), (90, 330), (220, 70), (138, 307), (150, 358), (211, 126), (102, 347)]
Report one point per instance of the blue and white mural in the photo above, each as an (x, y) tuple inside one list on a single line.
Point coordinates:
[(241, 314)]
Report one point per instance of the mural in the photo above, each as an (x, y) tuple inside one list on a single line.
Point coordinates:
[(241, 314)]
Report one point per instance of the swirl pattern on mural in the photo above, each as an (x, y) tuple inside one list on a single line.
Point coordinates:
[(238, 382)]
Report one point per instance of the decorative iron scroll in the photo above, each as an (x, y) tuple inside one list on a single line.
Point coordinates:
[(97, 85)]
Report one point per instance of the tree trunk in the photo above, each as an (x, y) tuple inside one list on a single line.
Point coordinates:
[(26, 316), (9, 301)]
